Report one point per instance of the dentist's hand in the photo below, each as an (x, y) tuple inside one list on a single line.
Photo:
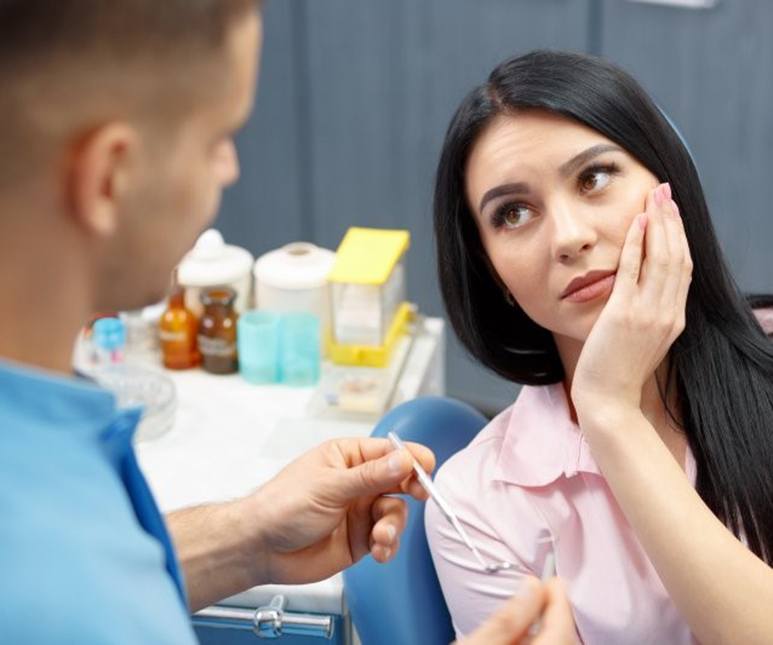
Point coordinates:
[(330, 507), (511, 623)]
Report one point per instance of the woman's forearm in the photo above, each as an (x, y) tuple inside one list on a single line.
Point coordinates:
[(724, 592)]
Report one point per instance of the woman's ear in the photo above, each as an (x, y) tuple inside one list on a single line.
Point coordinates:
[(102, 166)]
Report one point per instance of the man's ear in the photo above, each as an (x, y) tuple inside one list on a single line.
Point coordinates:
[(102, 166)]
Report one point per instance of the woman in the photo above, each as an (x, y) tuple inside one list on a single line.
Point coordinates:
[(577, 257)]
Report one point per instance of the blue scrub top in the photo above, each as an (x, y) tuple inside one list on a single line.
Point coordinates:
[(84, 553)]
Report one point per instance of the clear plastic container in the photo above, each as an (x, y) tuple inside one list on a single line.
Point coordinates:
[(137, 386), (363, 313), (257, 340), (300, 355)]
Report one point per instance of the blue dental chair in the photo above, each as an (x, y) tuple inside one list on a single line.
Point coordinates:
[(401, 602)]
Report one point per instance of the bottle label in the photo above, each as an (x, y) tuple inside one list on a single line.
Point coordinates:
[(216, 346), (168, 336)]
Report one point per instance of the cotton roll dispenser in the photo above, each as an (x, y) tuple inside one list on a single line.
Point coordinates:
[(369, 311)]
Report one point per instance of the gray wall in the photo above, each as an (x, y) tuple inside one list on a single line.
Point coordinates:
[(355, 96)]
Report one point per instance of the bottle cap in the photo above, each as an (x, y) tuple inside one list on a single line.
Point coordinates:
[(223, 296), (109, 333), (212, 261)]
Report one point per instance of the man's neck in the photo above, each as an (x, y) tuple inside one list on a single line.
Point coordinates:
[(45, 294)]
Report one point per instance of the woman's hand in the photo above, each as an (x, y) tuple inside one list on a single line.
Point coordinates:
[(511, 624), (644, 315)]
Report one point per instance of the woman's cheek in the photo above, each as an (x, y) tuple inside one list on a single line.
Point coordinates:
[(624, 214)]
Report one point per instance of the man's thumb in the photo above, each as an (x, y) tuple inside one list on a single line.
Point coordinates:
[(376, 477)]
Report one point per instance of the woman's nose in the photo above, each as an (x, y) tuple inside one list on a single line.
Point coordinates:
[(573, 234)]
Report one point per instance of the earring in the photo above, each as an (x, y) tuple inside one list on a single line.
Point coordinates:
[(509, 299)]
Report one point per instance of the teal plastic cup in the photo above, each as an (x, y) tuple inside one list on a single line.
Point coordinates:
[(299, 353), (257, 341)]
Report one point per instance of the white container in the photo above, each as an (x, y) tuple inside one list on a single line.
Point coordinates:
[(213, 263), (294, 279)]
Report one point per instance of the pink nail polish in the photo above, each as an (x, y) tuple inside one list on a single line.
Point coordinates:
[(666, 191), (658, 197)]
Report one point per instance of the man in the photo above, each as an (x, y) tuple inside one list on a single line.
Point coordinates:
[(117, 121)]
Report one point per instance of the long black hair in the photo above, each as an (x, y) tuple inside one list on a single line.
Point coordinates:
[(721, 365)]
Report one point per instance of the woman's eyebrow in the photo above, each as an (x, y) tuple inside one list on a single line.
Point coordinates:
[(567, 168), (518, 188)]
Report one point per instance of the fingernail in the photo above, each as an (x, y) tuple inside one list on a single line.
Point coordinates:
[(666, 191), (391, 532), (643, 221), (658, 195), (387, 554)]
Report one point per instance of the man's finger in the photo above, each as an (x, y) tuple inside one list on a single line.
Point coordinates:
[(557, 625), (382, 471), (510, 623), (389, 515), (359, 450), (376, 477), (359, 527), (413, 488)]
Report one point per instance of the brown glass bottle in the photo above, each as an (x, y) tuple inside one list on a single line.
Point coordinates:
[(217, 331), (178, 329)]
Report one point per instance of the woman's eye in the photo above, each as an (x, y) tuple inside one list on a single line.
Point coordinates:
[(595, 179), (512, 216)]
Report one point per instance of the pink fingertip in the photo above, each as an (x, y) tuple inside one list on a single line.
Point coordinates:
[(643, 221), (666, 191)]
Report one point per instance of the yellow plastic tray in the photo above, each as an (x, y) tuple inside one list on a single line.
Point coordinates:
[(372, 355)]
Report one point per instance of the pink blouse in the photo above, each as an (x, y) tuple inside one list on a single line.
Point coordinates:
[(528, 485)]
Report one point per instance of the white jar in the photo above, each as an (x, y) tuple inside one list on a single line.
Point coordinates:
[(294, 279), (213, 263)]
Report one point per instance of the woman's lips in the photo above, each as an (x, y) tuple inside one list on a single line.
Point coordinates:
[(602, 287)]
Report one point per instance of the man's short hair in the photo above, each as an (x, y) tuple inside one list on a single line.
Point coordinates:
[(34, 31), (64, 62)]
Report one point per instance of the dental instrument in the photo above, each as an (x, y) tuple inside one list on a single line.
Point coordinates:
[(429, 486)]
